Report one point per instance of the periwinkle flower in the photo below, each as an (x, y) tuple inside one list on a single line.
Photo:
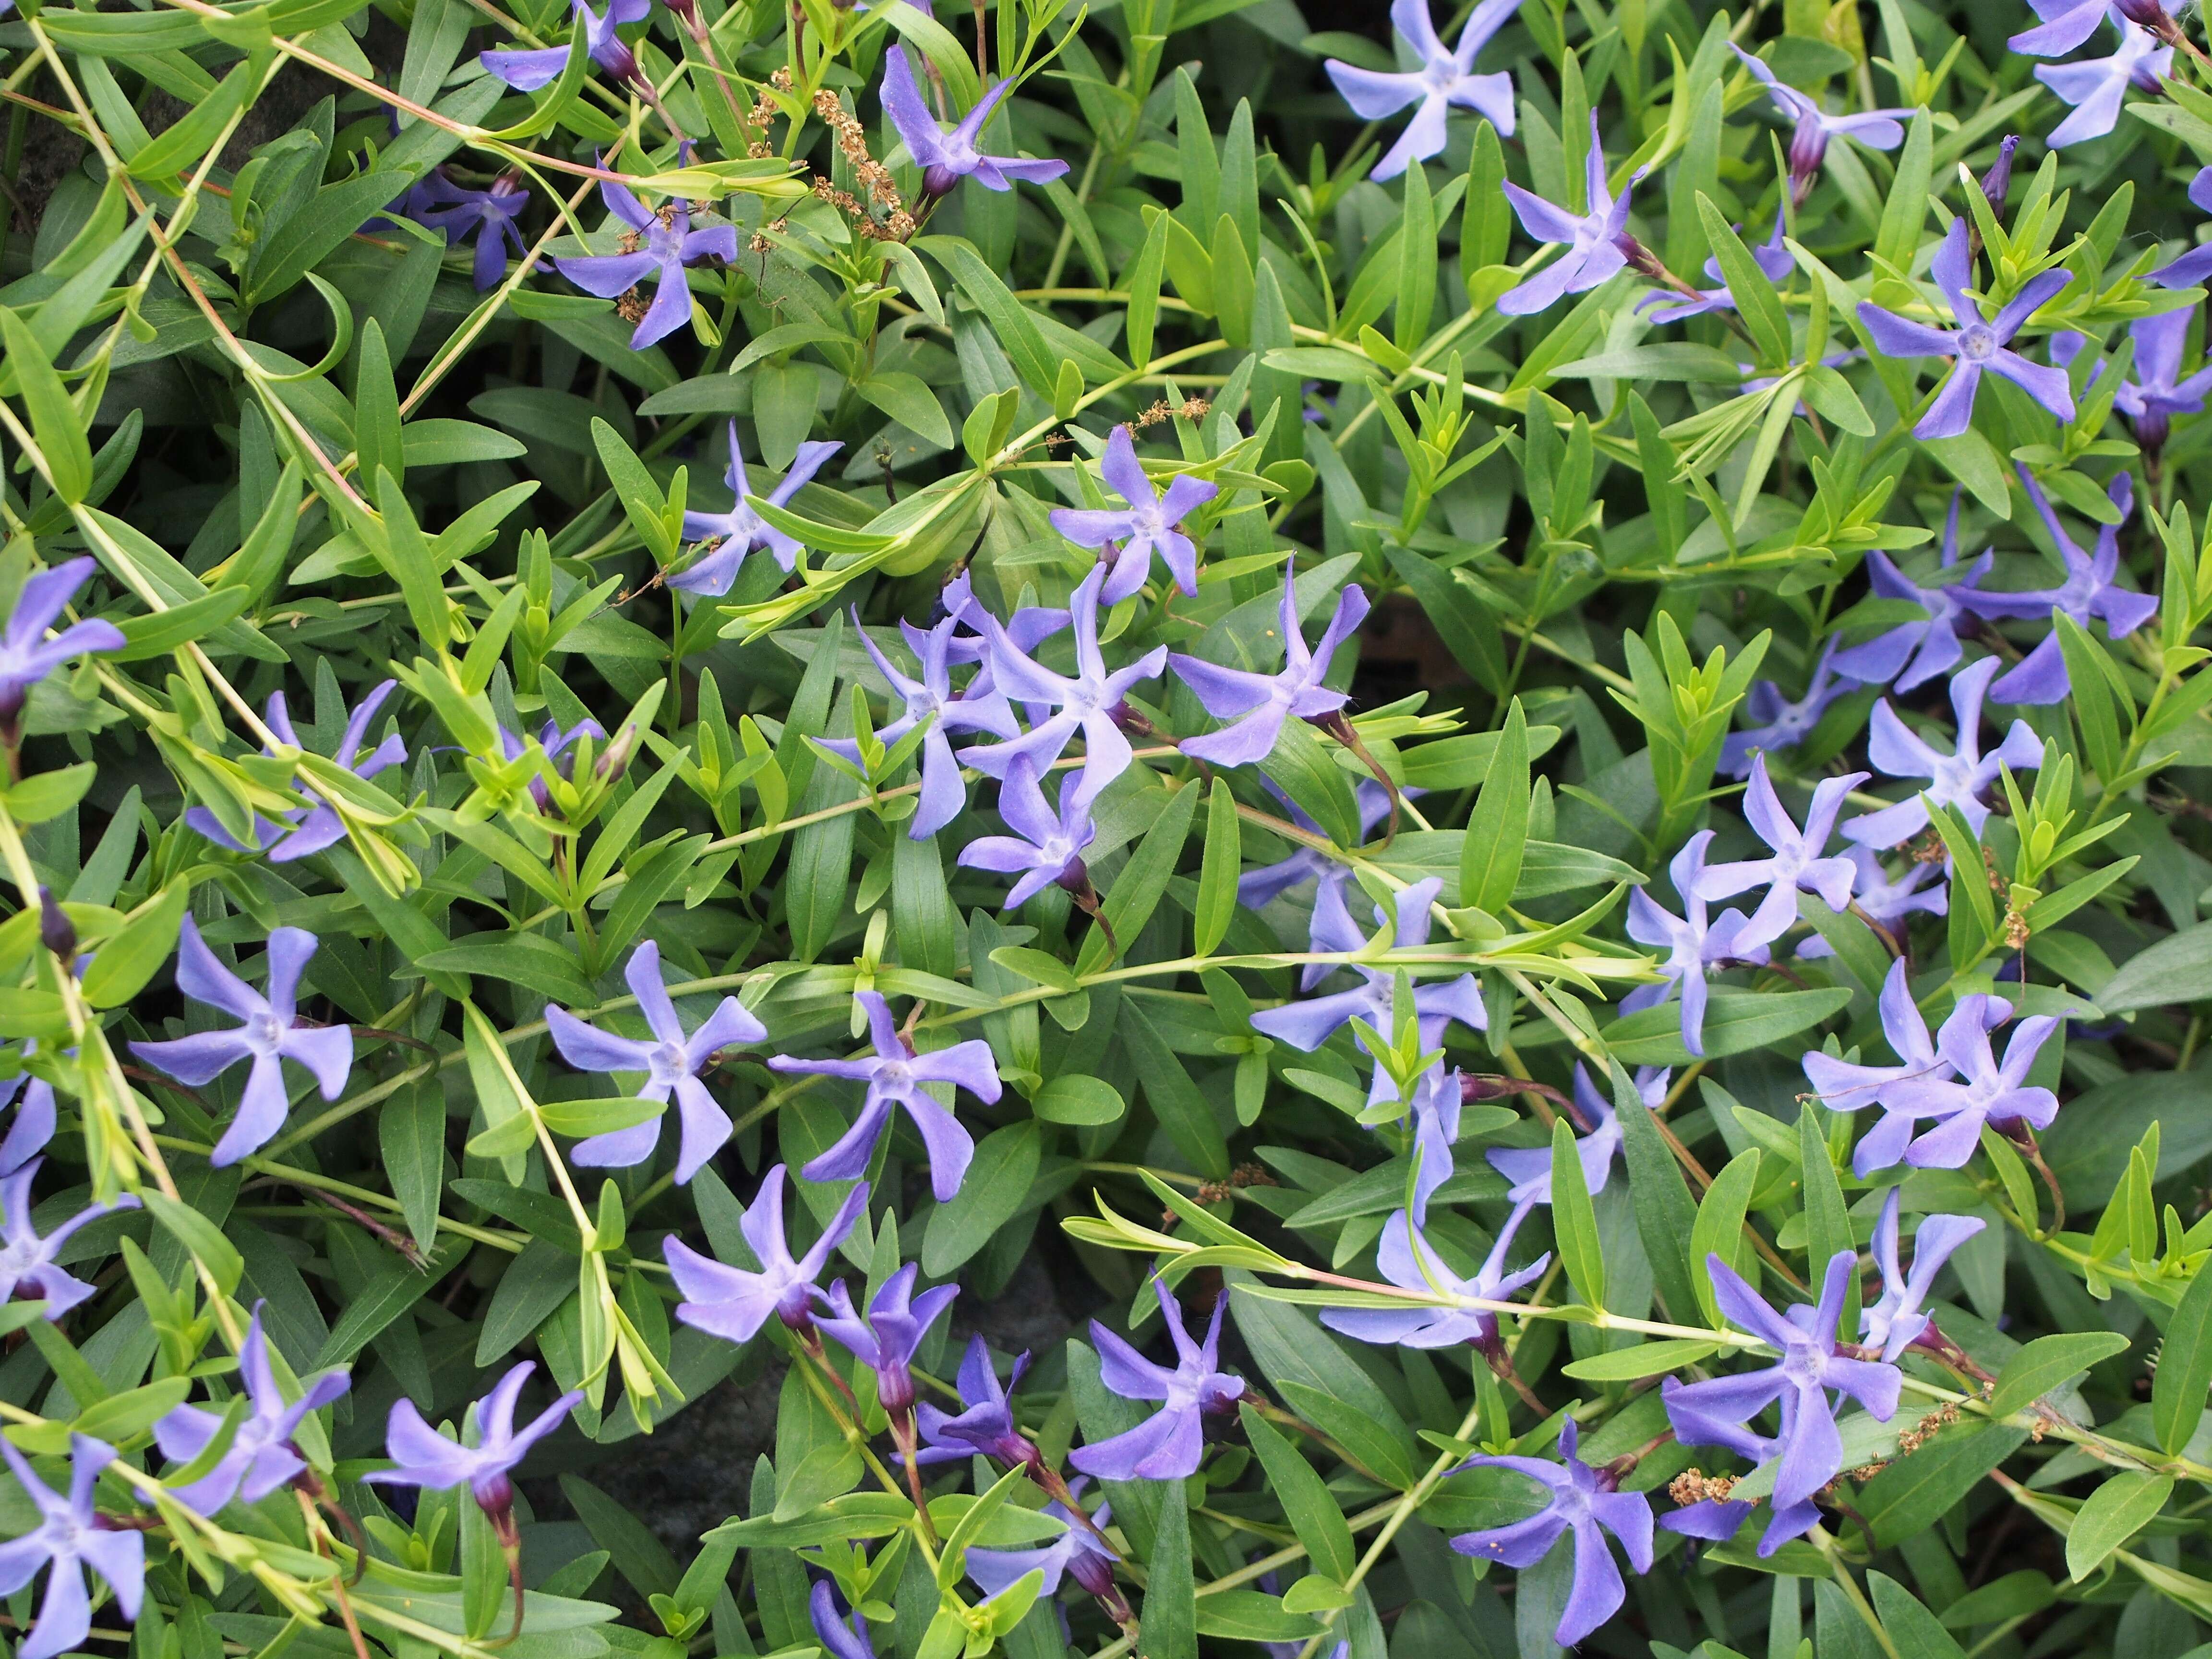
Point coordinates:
[(2091, 592), (1584, 1501), (2096, 87), (271, 1035), (1167, 1445), (1151, 523), (2066, 24), (1445, 79), (1775, 263), (1812, 127), (947, 158), (556, 744), (2159, 391), (1886, 901), (70, 1537), (1085, 703), (1797, 863), (886, 1339), (427, 1458), (842, 1635), (27, 1260), (1780, 723), (262, 1457), (1433, 1111), (894, 1076), (1261, 886), (533, 70), (671, 1061), (1260, 703), (1529, 1168), (1956, 779), (931, 698), (1913, 652), (1596, 241), (1076, 1553), (734, 1302), (1978, 345), (738, 531), (33, 1126), (1807, 1366), (1848, 1086), (1985, 1091), (2194, 266), (657, 245), (1408, 1260), (1046, 848), (1693, 941), (985, 1426), (311, 829), (27, 656), (1717, 1519), (1896, 1321), (489, 215)]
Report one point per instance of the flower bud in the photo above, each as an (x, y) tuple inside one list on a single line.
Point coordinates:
[(56, 932)]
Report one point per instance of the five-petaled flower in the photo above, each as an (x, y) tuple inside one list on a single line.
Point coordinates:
[(2158, 390), (1812, 127), (1780, 723), (947, 158), (886, 1339), (1259, 703), (311, 829), (671, 1061), (1885, 900), (733, 1303), (2194, 266), (1896, 1321), (71, 1537), (489, 215), (931, 698), (1850, 1086), (261, 1456), (1913, 652), (27, 1258), (1797, 863), (1445, 78), (1076, 1553), (1406, 1258), (738, 531), (985, 1426), (27, 656), (426, 1458), (2096, 87), (1596, 241), (1983, 1091), (1168, 1444), (1151, 523), (532, 70), (1045, 848), (657, 245), (1956, 779), (1693, 941), (1529, 1168)]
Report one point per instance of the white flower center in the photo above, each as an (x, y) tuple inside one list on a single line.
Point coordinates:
[(262, 1033), (669, 1063), (1978, 342)]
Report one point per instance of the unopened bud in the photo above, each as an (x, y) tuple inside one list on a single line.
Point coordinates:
[(616, 760), (1996, 183), (56, 932)]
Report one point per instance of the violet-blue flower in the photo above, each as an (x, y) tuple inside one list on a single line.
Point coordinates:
[(33, 1126), (1886, 899), (2066, 24), (27, 1260), (1584, 1501), (1717, 1519), (1444, 79), (1433, 1113), (2157, 391), (1797, 863), (27, 656), (489, 215), (1956, 779), (1263, 885), (931, 698), (70, 1537), (427, 1458), (1407, 1259), (894, 1076), (985, 1425), (1529, 1168), (947, 158), (738, 531), (311, 829), (532, 70), (1775, 263), (1167, 1445), (2194, 266), (1807, 1365), (270, 1035), (1047, 849), (2096, 87), (671, 1061), (1985, 1090), (1896, 1321), (1260, 703), (1812, 127), (262, 1457), (886, 1339), (842, 1635), (1152, 523), (656, 244), (734, 1302), (1780, 723), (1595, 240), (1913, 652), (1849, 1086), (1085, 703), (1693, 941), (1977, 344), (1076, 1553)]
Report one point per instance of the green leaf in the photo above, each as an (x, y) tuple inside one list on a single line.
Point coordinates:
[(1574, 1219), (993, 1192), (199, 1235), (1719, 1230), (1307, 1502), (580, 1118), (1907, 209), (1915, 1632), (410, 1132), (377, 439), (1912, 1494), (2116, 1512), (1736, 1022), (1666, 1215), (316, 231), (1079, 1100), (1217, 875), (2178, 969), (1497, 829), (1169, 1628), (1143, 282), (1185, 1113), (2184, 1367), (1756, 300), (122, 966), (908, 400), (2047, 1362), (1416, 269), (54, 422), (1648, 1359), (1144, 878), (1827, 1223)]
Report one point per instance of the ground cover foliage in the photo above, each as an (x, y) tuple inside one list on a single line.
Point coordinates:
[(1496, 724)]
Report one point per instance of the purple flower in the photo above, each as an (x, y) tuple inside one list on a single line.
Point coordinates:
[(1167, 1445), (885, 1342), (733, 1303), (1085, 703), (1408, 1260), (1782, 724), (1584, 1500), (1812, 1449), (1977, 344), (1529, 1168), (489, 215), (1692, 942), (1715, 1519), (1775, 263), (1256, 888), (2194, 266), (26, 1260), (1955, 780), (70, 1536), (1895, 1323), (2096, 86), (843, 1636), (985, 1427), (894, 1076), (657, 245), (1844, 1086), (269, 1035), (1260, 703), (1912, 653), (672, 1062), (931, 698), (310, 830), (33, 1124), (1433, 1111), (1595, 242), (1445, 78), (1885, 901), (1076, 1553), (1797, 863), (427, 1458), (738, 531), (1812, 127), (2089, 594), (555, 742), (2156, 393), (26, 655), (1150, 525), (1044, 848), (947, 158), (534, 70), (1985, 1091), (1308, 1025), (2066, 24), (262, 1457)]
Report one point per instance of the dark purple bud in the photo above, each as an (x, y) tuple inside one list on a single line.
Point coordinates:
[(1996, 183), (937, 180), (2146, 13), (56, 932), (2151, 427), (1808, 147)]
